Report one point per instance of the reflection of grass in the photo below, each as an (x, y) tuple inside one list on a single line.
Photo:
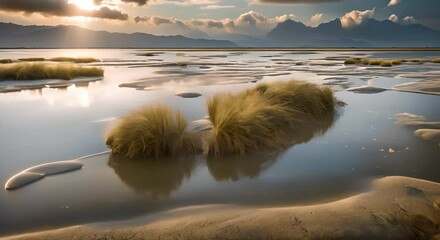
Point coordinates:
[(233, 168), (156, 177), (3, 61), (261, 118), (32, 59), (154, 132), (386, 62), (33, 71), (75, 60)]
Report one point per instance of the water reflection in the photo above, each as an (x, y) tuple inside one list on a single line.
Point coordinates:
[(156, 177), (160, 177), (233, 168)]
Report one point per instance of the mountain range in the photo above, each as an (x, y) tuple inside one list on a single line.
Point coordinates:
[(373, 33), (18, 36)]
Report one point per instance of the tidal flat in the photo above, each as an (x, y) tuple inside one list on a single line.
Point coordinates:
[(376, 162)]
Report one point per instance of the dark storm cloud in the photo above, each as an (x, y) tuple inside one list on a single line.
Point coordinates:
[(138, 2), (299, 1), (59, 8)]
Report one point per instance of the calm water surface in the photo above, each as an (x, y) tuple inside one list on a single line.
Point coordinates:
[(332, 159)]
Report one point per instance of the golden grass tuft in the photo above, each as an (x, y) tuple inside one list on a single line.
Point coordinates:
[(153, 132), (74, 60), (4, 61), (267, 117), (37, 59), (386, 64), (262, 118), (352, 61), (34, 71)]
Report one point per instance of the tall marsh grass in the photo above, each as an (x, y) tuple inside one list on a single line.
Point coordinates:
[(267, 117), (74, 60), (154, 132), (385, 62), (34, 71), (4, 61), (263, 118)]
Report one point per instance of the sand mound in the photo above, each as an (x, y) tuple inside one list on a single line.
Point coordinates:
[(394, 208)]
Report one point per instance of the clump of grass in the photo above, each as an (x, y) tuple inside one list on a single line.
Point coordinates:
[(34, 71), (262, 117), (352, 61), (31, 59), (181, 64), (375, 62), (75, 60), (4, 61), (386, 64), (153, 132)]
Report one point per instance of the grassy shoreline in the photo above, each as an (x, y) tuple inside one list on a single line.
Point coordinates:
[(37, 71)]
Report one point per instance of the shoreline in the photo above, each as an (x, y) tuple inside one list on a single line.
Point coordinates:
[(401, 207)]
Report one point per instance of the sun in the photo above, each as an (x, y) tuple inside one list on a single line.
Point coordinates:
[(84, 4)]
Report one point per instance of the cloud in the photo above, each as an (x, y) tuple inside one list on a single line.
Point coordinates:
[(250, 23), (213, 7), (355, 18), (138, 2), (284, 18), (409, 19), (184, 3), (393, 3), (60, 8), (251, 18), (169, 26), (393, 18), (316, 19), (293, 1)]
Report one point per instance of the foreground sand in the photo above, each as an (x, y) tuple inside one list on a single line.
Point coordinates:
[(394, 208)]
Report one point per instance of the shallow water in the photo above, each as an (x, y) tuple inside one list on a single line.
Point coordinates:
[(53, 124)]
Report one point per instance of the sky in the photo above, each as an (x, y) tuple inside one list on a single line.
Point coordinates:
[(213, 18)]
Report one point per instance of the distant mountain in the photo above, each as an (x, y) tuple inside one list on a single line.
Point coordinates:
[(17, 36), (373, 33)]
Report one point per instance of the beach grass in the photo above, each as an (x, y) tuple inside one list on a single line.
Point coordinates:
[(386, 62), (33, 59), (262, 118), (4, 61), (34, 71), (154, 132), (74, 60)]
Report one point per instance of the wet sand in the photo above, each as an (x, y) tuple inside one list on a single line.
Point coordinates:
[(397, 207)]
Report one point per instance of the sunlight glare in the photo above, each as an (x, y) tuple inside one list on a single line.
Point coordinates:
[(84, 4)]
